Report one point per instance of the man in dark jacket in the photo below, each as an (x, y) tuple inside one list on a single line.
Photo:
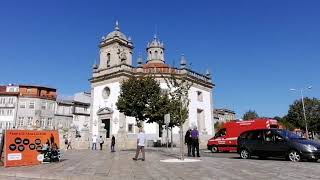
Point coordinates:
[(188, 141), (113, 142)]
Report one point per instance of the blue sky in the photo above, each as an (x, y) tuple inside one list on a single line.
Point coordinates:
[(256, 50)]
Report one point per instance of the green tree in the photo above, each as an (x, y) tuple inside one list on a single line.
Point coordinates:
[(179, 103), (142, 98), (284, 123), (250, 115), (295, 114)]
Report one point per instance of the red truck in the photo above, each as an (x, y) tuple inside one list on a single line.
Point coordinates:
[(226, 138)]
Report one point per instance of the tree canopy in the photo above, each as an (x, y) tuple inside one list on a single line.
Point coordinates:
[(312, 107), (142, 98), (250, 115), (284, 123), (179, 101)]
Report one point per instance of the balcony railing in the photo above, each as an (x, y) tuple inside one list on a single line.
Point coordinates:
[(160, 70)]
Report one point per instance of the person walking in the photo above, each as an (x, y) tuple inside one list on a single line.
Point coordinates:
[(140, 145), (195, 141), (94, 142), (188, 141), (69, 143), (101, 141), (113, 142), (65, 141)]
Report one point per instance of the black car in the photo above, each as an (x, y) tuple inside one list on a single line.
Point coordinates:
[(277, 143)]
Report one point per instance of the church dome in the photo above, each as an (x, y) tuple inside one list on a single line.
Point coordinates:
[(155, 43), (117, 33)]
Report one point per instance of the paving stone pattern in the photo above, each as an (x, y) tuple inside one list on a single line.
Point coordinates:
[(86, 164)]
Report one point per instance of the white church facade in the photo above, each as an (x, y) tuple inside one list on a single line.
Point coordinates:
[(116, 65)]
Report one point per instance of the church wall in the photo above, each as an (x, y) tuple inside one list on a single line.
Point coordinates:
[(204, 105), (99, 102)]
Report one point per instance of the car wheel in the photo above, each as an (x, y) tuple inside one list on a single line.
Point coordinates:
[(294, 156), (214, 149), (244, 154)]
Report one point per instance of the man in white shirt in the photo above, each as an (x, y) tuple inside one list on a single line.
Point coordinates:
[(140, 144), (94, 142)]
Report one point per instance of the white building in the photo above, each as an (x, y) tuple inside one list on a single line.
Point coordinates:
[(223, 115), (8, 106), (63, 113), (116, 65), (73, 111), (81, 110), (36, 107)]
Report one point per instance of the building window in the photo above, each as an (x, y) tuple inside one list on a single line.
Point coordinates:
[(156, 54), (106, 92), (31, 105), (10, 100), (108, 60), (42, 122), (1, 100), (20, 121), (200, 120), (8, 125), (49, 122), (75, 118), (1, 112), (130, 128), (49, 106), (43, 105), (199, 96), (29, 122), (23, 105), (9, 113)]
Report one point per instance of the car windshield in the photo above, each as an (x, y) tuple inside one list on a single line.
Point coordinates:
[(289, 134)]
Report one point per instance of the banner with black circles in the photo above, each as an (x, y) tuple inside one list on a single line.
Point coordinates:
[(25, 147)]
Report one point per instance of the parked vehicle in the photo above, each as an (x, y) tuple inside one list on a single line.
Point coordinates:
[(277, 143), (226, 138)]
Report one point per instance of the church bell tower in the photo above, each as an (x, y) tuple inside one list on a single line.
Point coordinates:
[(115, 49)]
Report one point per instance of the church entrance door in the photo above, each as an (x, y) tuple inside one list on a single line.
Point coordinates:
[(107, 126)]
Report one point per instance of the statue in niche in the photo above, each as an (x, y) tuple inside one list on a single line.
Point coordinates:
[(122, 55)]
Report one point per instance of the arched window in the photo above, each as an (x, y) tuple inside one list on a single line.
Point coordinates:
[(108, 59), (156, 54)]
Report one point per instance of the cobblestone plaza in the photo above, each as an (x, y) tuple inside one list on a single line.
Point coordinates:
[(86, 164)]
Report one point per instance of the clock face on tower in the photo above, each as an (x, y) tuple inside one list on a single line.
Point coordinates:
[(106, 92)]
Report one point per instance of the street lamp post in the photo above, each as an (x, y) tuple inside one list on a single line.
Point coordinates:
[(303, 108)]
